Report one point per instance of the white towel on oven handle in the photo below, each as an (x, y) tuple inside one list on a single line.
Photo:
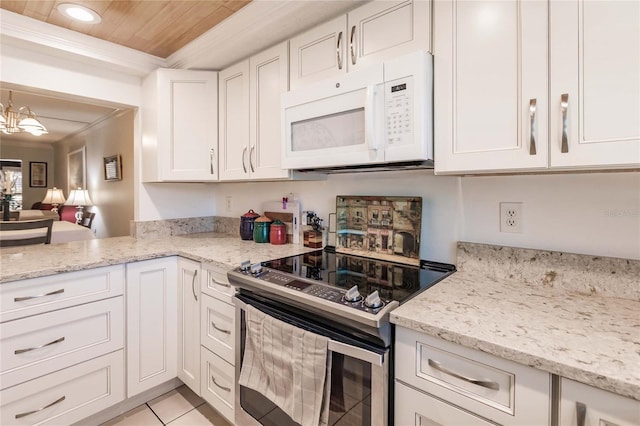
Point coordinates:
[(289, 366)]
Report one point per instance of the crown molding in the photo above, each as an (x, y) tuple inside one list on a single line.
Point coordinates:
[(40, 36), (255, 27)]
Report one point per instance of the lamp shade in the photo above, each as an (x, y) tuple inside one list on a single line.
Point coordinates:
[(79, 197), (54, 196)]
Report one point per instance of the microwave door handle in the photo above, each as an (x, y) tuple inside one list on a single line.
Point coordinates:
[(369, 118)]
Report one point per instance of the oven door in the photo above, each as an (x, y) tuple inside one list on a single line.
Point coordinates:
[(359, 376)]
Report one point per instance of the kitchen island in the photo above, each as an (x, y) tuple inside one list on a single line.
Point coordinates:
[(574, 316)]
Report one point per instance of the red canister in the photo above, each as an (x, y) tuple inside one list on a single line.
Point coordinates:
[(278, 233)]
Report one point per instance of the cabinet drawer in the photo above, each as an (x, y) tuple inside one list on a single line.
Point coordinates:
[(475, 381), (66, 396), (218, 328), (36, 295), (37, 345), (413, 407), (217, 383), (216, 284)]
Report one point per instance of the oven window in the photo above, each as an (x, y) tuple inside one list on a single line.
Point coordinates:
[(350, 402)]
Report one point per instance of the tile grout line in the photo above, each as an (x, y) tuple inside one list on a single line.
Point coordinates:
[(154, 413)]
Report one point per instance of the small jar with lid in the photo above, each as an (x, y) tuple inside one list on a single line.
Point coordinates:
[(261, 228), (278, 233), (246, 224)]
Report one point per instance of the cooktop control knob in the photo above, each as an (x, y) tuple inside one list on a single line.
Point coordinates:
[(256, 269), (245, 265), (373, 300), (352, 295)]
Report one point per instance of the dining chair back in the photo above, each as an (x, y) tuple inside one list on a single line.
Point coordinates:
[(87, 219), (21, 238)]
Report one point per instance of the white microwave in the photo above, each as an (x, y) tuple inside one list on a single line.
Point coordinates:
[(378, 115)]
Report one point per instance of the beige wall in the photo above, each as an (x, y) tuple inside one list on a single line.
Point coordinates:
[(113, 200)]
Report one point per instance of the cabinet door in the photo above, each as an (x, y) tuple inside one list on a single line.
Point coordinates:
[(151, 323), (598, 407), (234, 122), (490, 88), (413, 407), (269, 79), (185, 131), (595, 64), (189, 323), (382, 30), (319, 53)]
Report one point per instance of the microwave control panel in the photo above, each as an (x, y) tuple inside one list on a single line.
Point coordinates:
[(399, 111)]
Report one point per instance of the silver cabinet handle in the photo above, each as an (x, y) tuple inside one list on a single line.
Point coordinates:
[(244, 152), (221, 387), (483, 383), (338, 50), (21, 299), (57, 401), (221, 330), (351, 47), (21, 351), (219, 283), (532, 119), (564, 104), (193, 285), (211, 154), (581, 410), (251, 151)]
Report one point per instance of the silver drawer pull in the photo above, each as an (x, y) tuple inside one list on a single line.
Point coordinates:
[(564, 106), (351, 48), (338, 55), (221, 330), (57, 401), (21, 351), (221, 387), (532, 134), (22, 299), (213, 280), (193, 285), (483, 383), (581, 413)]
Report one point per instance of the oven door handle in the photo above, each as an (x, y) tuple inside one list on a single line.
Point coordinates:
[(339, 347)]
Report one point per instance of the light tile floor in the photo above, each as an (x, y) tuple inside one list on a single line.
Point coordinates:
[(180, 407)]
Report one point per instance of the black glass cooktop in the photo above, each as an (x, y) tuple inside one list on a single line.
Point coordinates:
[(394, 281)]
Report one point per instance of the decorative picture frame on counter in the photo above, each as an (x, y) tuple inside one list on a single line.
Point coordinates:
[(37, 174), (113, 167)]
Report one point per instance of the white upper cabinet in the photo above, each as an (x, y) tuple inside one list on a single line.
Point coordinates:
[(493, 71), (234, 121), (179, 122), (250, 132), (372, 33), (595, 66), (490, 88)]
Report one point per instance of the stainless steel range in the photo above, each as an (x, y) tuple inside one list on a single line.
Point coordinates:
[(348, 299)]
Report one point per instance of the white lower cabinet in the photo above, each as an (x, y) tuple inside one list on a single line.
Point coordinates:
[(218, 333), (218, 383), (66, 396), (415, 408), (189, 299), (485, 387), (585, 405), (152, 323)]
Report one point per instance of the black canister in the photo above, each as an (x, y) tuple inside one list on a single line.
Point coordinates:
[(246, 224)]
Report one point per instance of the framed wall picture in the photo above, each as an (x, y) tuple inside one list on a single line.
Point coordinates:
[(76, 170), (112, 168), (37, 174)]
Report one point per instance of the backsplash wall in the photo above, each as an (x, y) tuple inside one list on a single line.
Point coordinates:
[(587, 213)]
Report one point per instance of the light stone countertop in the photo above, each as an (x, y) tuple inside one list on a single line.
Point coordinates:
[(572, 315), (18, 263)]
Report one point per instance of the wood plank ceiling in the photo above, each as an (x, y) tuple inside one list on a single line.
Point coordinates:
[(153, 26)]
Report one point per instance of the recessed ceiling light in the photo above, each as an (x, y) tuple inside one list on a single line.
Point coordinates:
[(79, 13)]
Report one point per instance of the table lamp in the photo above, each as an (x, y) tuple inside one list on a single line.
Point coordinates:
[(54, 197), (80, 198)]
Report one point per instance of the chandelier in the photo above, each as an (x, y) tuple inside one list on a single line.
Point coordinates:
[(23, 120)]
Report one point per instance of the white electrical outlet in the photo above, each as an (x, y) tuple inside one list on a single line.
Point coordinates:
[(228, 203), (511, 217)]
